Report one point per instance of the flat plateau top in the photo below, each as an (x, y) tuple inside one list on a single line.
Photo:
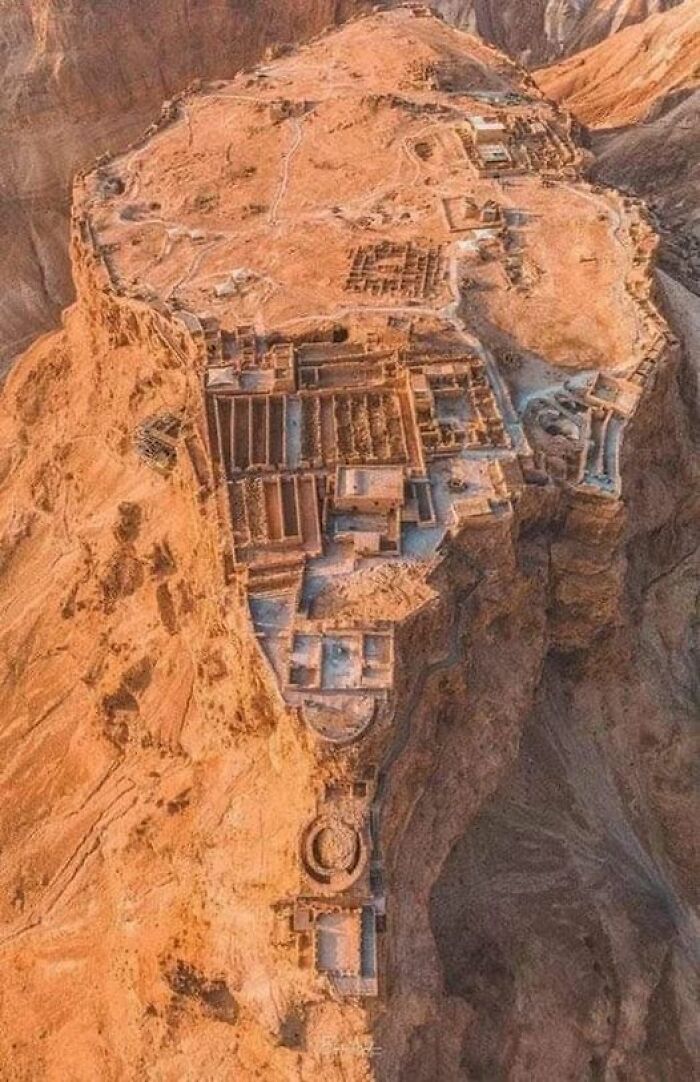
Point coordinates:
[(407, 296), (334, 181)]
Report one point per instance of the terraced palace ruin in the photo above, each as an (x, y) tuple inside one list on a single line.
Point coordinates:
[(365, 269)]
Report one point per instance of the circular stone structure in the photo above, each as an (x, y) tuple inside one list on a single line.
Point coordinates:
[(343, 721), (333, 853)]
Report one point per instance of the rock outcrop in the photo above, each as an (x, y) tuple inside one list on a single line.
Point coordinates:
[(531, 867)]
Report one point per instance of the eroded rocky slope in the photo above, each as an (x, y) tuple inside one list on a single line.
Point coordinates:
[(625, 79), (528, 856), (540, 30), (560, 939)]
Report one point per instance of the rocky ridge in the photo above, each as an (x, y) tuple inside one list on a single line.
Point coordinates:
[(534, 688), (537, 31), (633, 76)]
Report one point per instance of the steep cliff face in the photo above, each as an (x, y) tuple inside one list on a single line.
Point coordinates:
[(81, 78), (532, 849), (543, 814), (543, 809), (540, 30), (541, 859), (150, 831), (670, 138)]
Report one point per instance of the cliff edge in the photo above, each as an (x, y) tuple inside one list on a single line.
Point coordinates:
[(349, 572)]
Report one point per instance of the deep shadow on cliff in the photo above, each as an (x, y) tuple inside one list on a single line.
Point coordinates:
[(541, 860), (553, 843), (659, 161)]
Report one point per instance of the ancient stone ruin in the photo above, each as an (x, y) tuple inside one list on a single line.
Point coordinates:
[(355, 417)]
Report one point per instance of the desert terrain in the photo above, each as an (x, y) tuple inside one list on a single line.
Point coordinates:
[(349, 579), (537, 31), (639, 96), (79, 80)]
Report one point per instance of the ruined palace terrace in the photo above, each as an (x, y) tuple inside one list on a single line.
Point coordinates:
[(351, 455)]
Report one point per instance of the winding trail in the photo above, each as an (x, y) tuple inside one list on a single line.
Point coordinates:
[(284, 184)]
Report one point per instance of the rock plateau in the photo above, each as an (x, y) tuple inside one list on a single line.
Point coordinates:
[(81, 79), (349, 581)]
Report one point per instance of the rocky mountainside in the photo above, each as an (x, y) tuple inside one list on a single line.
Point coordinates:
[(81, 78), (349, 578), (540, 30), (636, 76), (640, 96)]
